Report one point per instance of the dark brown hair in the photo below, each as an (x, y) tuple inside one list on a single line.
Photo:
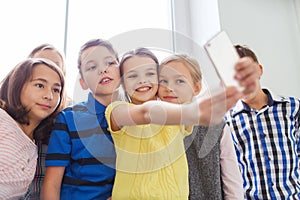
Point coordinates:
[(245, 51), (94, 43), (10, 91)]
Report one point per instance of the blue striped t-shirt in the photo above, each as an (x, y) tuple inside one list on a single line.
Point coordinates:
[(81, 143)]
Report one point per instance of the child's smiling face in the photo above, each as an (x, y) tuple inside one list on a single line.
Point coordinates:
[(176, 84), (140, 79)]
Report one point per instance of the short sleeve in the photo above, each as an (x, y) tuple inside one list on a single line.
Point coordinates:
[(108, 112), (59, 147)]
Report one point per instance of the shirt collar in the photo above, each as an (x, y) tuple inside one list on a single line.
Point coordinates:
[(272, 99), (95, 106)]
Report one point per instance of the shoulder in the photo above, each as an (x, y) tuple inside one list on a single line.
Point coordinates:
[(5, 118), (76, 107), (290, 102), (70, 110), (113, 105), (3, 113)]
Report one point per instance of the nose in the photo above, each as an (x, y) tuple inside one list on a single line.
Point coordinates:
[(142, 79), (48, 95), (142, 82), (102, 70), (169, 87)]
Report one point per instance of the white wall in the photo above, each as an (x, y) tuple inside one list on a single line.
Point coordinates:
[(192, 29), (272, 29)]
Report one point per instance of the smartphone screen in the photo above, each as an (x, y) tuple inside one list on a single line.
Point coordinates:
[(224, 57)]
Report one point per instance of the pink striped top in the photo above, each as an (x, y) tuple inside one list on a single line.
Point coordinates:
[(18, 156)]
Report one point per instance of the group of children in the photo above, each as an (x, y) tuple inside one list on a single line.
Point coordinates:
[(105, 148)]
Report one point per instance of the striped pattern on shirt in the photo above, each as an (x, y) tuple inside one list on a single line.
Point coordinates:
[(18, 155), (81, 143), (267, 147)]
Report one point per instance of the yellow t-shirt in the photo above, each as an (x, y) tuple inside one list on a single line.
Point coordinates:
[(151, 161)]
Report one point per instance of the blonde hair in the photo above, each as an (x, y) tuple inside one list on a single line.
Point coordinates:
[(191, 64)]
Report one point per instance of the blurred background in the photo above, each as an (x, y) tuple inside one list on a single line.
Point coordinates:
[(270, 27)]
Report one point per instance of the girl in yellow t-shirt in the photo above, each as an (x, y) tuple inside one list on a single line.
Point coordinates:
[(151, 161)]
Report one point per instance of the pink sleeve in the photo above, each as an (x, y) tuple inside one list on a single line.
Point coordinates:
[(231, 176)]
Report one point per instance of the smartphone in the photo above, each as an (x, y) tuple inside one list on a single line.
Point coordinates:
[(224, 57)]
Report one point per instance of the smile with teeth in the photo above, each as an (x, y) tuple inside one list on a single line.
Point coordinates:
[(105, 80), (143, 89)]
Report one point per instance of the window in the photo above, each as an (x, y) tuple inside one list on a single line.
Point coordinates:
[(27, 24)]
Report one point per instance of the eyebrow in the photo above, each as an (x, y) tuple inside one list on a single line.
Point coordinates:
[(90, 61), (147, 69), (45, 81), (94, 61), (176, 76)]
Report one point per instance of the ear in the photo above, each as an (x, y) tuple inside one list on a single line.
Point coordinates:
[(83, 84), (261, 70), (197, 88)]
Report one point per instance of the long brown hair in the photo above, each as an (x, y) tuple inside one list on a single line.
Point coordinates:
[(10, 91)]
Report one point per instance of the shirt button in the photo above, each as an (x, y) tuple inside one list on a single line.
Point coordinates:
[(22, 168)]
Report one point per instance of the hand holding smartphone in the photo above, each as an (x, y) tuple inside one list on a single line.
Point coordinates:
[(224, 57)]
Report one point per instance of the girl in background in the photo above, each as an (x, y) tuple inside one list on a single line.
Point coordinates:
[(31, 96), (42, 135), (215, 175), (49, 52)]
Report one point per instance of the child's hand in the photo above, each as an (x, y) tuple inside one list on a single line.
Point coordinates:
[(247, 74)]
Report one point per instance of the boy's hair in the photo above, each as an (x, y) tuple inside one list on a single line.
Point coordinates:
[(94, 43), (191, 64), (47, 46), (10, 94), (244, 51), (141, 52)]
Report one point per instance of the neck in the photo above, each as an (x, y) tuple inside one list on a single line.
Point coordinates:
[(106, 99), (259, 100), (137, 102)]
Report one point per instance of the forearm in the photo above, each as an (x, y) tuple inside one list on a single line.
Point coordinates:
[(231, 176), (171, 114), (155, 112), (50, 191), (52, 183)]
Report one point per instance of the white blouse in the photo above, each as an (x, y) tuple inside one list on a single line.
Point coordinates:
[(18, 157)]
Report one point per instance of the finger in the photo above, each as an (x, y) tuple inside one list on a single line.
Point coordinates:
[(246, 68), (249, 80), (242, 63)]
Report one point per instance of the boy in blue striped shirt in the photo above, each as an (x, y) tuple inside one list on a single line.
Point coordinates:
[(81, 156), (265, 130)]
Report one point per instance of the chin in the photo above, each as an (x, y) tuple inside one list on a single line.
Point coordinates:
[(249, 97)]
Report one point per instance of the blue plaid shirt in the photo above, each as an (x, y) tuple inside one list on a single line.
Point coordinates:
[(268, 148)]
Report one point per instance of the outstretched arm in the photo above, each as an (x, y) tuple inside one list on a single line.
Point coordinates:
[(203, 112)]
